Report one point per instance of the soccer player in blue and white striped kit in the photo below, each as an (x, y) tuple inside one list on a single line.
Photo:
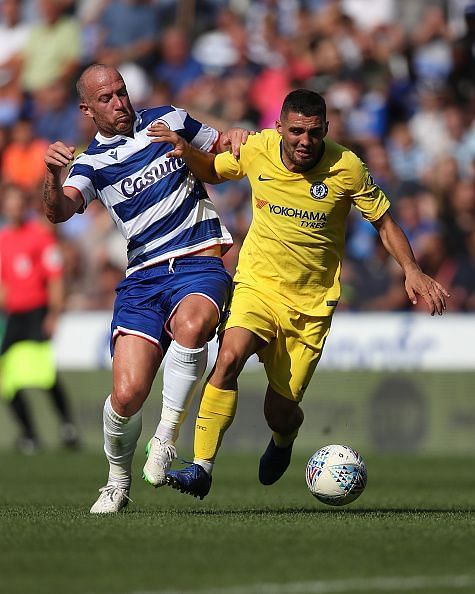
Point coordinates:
[(176, 286)]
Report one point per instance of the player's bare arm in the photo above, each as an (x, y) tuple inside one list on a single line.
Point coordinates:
[(59, 206), (200, 163), (416, 283)]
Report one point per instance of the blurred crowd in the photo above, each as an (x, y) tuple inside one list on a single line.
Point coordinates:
[(398, 77)]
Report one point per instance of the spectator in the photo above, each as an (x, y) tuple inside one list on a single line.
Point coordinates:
[(367, 119), (369, 15), (459, 216), (462, 77), (177, 67), (23, 158), (427, 126), (431, 59), (416, 223), (439, 264), (13, 34), (374, 283), (406, 157), (109, 276), (52, 50), (462, 136), (381, 167), (216, 50), (129, 31), (55, 114)]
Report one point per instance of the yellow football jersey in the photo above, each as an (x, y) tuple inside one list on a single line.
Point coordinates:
[(295, 243)]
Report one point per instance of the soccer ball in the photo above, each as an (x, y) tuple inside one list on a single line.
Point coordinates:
[(336, 475)]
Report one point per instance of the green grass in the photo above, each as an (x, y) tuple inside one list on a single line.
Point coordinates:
[(414, 519)]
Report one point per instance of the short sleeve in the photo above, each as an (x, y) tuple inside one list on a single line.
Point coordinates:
[(367, 196), (228, 166), (81, 178), (199, 135)]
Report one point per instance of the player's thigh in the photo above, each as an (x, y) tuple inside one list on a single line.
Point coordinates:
[(141, 308), (135, 364), (201, 295), (291, 359)]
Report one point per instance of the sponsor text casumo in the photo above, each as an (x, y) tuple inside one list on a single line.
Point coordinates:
[(130, 186)]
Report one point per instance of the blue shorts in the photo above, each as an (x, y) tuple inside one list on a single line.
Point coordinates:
[(148, 298)]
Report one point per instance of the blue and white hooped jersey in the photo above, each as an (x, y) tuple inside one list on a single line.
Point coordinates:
[(158, 205)]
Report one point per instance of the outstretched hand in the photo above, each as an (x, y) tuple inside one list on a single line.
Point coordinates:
[(233, 138), (160, 132), (433, 293)]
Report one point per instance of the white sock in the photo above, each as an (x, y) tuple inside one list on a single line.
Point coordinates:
[(120, 440), (182, 374), (206, 464)]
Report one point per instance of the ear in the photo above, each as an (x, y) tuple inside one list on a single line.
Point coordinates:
[(326, 128), (278, 126), (85, 109)]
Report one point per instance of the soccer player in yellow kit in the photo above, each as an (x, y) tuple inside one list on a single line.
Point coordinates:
[(287, 280)]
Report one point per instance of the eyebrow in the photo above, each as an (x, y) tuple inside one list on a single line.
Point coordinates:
[(297, 127)]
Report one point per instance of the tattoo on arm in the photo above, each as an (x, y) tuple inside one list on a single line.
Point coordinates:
[(50, 199)]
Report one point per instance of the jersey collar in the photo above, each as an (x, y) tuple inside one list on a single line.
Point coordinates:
[(114, 139)]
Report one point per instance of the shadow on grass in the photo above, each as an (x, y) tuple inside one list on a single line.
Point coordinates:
[(306, 511)]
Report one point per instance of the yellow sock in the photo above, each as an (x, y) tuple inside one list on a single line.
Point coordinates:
[(283, 441), (216, 414)]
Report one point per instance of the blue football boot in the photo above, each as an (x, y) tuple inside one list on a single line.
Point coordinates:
[(193, 480), (274, 462)]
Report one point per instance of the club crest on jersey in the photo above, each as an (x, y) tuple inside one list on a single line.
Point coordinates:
[(160, 121), (318, 190)]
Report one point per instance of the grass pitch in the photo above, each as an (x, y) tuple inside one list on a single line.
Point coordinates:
[(411, 531)]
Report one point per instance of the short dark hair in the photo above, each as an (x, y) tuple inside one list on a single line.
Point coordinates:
[(306, 102)]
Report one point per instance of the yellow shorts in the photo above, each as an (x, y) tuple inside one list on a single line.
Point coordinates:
[(295, 341)]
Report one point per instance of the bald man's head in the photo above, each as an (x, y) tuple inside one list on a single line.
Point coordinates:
[(91, 76), (103, 97)]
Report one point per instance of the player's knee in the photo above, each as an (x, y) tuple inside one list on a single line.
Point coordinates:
[(194, 332), (229, 364), (128, 397)]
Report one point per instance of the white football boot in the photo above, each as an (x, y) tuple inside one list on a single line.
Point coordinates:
[(111, 500), (159, 459)]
